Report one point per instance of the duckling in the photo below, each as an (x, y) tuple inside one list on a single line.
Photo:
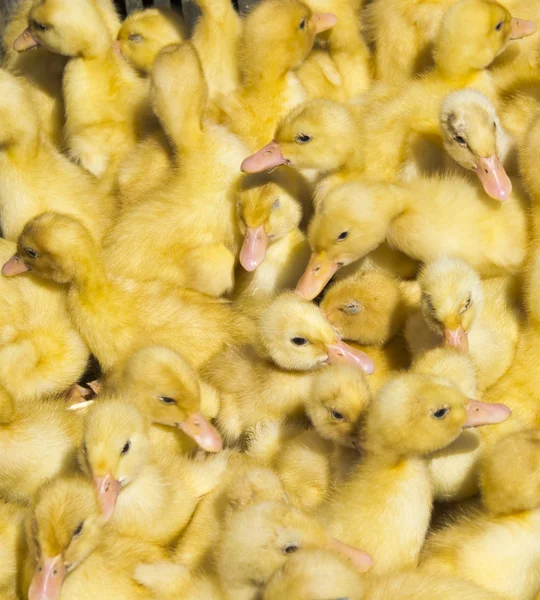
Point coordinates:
[(194, 249), (417, 218), (269, 87), (271, 377), (72, 555), (146, 499), (11, 534), (475, 316), (412, 416), (37, 443), (482, 546), (105, 99), (41, 354), (145, 33), (116, 316), (35, 176)]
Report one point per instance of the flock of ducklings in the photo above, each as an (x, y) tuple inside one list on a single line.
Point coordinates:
[(261, 287)]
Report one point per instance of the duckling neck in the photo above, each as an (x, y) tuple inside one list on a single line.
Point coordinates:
[(24, 146), (89, 275)]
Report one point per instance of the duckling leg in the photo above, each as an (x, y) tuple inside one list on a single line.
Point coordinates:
[(210, 269)]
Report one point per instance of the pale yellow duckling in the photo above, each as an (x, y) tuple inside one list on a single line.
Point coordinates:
[(105, 100), (485, 546), (38, 441), (72, 555), (11, 547), (151, 500), (272, 378), (459, 309), (116, 316), (385, 506), (419, 218)]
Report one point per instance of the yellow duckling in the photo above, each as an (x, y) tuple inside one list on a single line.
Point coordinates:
[(142, 498), (11, 549), (104, 97), (418, 218), (116, 316), (72, 555), (269, 87), (145, 33), (35, 176), (385, 506), (483, 546), (271, 378), (475, 316)]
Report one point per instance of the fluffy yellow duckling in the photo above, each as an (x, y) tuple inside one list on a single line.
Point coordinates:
[(37, 442), (41, 354), (194, 249), (269, 88), (484, 546), (142, 498), (385, 506), (104, 98), (35, 176), (116, 316), (418, 218), (459, 309), (11, 549), (72, 555), (145, 33), (271, 378)]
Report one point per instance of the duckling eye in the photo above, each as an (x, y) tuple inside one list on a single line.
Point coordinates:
[(302, 25), (352, 308), (126, 448), (276, 204), (39, 26), (467, 305), (461, 140), (300, 341), (499, 26), (167, 400), (290, 548), (78, 530), (136, 38), (302, 138), (342, 236), (440, 413), (31, 252), (337, 416)]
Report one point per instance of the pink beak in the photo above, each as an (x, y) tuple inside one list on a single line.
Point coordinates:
[(496, 182), (48, 579), (14, 266), (266, 158), (25, 41), (318, 273), (205, 434), (108, 489), (360, 559), (254, 248), (324, 21), (457, 338), (117, 48), (484, 413), (521, 28), (341, 353)]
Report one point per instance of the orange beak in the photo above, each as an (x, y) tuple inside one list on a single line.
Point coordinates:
[(521, 28), (254, 248), (205, 434), (14, 266), (318, 273), (108, 489), (485, 413), (457, 338), (48, 579), (25, 41)]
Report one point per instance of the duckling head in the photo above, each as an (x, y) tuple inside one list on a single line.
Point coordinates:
[(145, 33), (473, 33), (297, 336), (266, 212), (473, 136), (415, 415), (67, 28), (451, 299), (277, 36), (166, 389), (314, 135), (365, 308), (115, 449), (64, 529), (338, 403), (510, 474), (349, 223), (53, 246)]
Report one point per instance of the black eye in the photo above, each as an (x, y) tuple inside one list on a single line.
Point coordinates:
[(300, 341), (466, 306), (343, 236), (31, 252), (302, 24), (290, 548), (39, 26), (440, 413), (79, 529), (302, 138), (499, 26), (337, 416), (276, 204), (461, 140), (126, 447), (135, 37), (167, 400)]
